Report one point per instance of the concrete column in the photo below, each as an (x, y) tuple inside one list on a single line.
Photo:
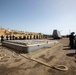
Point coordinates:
[(30, 37), (38, 37), (26, 37)]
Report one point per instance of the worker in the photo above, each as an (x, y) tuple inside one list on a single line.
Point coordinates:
[(75, 44), (6, 37), (19, 37), (13, 37), (2, 38), (10, 37), (24, 37), (72, 41)]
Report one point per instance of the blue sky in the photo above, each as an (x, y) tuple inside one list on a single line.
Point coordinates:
[(38, 15)]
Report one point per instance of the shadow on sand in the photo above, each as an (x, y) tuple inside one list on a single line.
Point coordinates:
[(71, 54), (65, 46), (67, 49)]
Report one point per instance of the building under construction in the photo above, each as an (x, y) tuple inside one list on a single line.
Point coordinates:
[(24, 41), (21, 34)]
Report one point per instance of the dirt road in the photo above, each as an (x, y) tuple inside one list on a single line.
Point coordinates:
[(60, 54)]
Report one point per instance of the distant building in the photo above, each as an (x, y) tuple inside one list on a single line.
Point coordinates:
[(16, 33)]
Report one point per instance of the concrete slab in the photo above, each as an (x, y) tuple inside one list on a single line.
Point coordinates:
[(28, 45)]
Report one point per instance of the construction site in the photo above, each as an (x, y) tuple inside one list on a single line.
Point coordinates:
[(35, 54)]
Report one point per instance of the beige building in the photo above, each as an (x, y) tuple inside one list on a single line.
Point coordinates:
[(16, 33)]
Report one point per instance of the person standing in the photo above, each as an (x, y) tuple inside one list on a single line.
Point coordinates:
[(10, 37), (6, 37), (13, 37), (72, 41), (2, 38)]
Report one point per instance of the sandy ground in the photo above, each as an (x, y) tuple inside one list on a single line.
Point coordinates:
[(59, 54)]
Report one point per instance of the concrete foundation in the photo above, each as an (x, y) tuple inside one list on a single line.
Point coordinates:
[(28, 45)]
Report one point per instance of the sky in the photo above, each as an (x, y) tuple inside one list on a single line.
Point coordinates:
[(41, 16)]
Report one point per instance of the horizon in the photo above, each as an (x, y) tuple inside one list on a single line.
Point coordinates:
[(33, 32), (40, 16)]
